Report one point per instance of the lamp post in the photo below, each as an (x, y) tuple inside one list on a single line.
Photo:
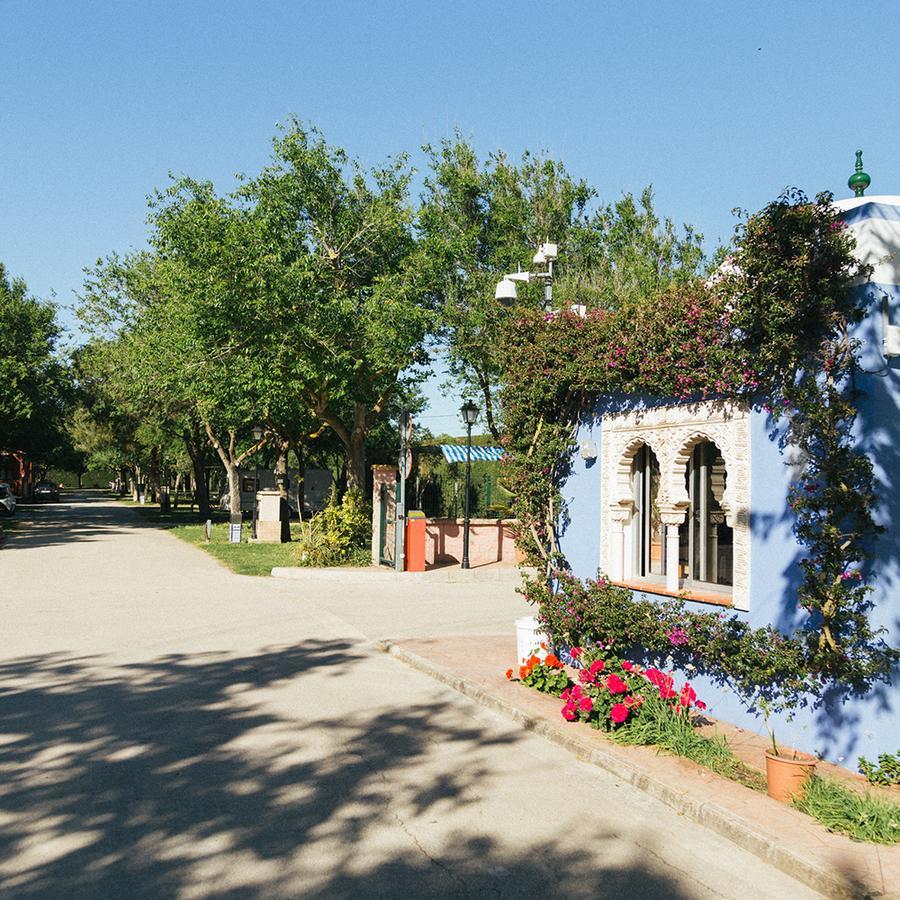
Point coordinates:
[(257, 436), (469, 413), (506, 291)]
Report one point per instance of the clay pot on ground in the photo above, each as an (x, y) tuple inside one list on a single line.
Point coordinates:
[(787, 775)]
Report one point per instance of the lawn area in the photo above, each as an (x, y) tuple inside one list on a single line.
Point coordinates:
[(244, 558)]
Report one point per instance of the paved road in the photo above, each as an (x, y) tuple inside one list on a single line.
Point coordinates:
[(169, 729)]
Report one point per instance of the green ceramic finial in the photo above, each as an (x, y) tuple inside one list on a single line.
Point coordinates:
[(859, 181)]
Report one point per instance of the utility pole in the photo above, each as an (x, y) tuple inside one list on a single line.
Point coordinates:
[(405, 467)]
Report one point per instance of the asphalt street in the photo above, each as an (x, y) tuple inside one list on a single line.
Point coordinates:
[(170, 729)]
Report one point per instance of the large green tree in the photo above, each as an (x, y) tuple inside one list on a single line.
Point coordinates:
[(344, 300), (480, 220), (34, 379)]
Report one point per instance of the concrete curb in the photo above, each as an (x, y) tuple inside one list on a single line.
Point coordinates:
[(722, 821), (448, 575)]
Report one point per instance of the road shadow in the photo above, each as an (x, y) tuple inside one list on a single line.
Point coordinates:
[(142, 780), (87, 516)]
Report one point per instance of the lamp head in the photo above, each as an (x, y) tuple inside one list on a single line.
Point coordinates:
[(469, 412), (257, 432), (506, 291)]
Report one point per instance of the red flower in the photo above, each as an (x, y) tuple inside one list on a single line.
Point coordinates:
[(509, 673), (627, 666), (596, 666), (688, 695), (654, 676), (575, 652), (615, 685), (585, 677), (619, 713), (568, 712), (586, 704), (632, 701), (552, 661), (700, 704), (524, 672)]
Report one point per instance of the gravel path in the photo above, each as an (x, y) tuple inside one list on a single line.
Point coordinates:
[(169, 729)]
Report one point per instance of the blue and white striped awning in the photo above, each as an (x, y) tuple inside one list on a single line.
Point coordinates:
[(457, 453)]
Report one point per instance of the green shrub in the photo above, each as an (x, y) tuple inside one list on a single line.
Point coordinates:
[(339, 535), (885, 771)]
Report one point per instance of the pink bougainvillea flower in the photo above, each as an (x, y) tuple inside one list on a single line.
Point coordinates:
[(568, 712), (619, 713), (597, 666), (615, 685), (586, 704), (677, 636), (585, 677)]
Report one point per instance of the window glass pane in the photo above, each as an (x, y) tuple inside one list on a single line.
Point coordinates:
[(649, 531), (656, 561), (706, 542)]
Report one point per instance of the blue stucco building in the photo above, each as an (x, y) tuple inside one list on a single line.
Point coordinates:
[(672, 497)]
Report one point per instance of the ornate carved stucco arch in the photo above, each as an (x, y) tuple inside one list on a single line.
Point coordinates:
[(672, 432), (678, 491)]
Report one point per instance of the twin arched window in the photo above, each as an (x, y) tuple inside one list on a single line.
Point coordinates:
[(705, 540)]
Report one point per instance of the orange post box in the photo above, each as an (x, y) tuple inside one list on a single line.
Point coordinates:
[(415, 541)]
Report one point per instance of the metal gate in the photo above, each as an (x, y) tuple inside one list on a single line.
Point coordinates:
[(388, 527)]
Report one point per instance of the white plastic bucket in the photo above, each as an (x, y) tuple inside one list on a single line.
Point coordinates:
[(529, 638)]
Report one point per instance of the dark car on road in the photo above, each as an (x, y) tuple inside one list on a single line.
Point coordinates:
[(46, 491)]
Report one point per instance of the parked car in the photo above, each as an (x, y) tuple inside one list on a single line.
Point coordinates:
[(7, 500), (46, 491)]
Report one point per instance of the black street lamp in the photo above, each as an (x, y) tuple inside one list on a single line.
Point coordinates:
[(257, 436), (469, 413)]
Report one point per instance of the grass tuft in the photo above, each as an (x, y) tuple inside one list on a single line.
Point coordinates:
[(862, 817), (677, 735)]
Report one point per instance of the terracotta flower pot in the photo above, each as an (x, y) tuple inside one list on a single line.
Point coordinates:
[(787, 775)]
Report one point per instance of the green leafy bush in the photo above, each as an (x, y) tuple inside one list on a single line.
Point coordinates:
[(339, 535), (885, 771)]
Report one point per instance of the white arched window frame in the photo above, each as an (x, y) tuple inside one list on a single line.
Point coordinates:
[(672, 433)]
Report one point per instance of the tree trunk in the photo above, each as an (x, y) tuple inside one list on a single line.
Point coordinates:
[(356, 450), (356, 461), (234, 488), (232, 462), (201, 494)]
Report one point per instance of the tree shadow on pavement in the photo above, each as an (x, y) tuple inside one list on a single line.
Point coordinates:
[(152, 781)]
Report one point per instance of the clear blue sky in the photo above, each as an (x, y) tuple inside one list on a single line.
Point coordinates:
[(716, 105)]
